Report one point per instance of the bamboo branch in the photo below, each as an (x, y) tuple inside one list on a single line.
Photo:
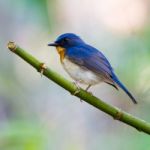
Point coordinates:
[(116, 113)]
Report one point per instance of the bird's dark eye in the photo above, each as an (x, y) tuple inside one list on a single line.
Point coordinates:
[(65, 41)]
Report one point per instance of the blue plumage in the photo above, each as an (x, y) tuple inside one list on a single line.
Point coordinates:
[(82, 59)]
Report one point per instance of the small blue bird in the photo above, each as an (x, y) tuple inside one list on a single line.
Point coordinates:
[(85, 64)]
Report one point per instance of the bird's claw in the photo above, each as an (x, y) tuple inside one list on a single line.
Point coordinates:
[(77, 89), (76, 92)]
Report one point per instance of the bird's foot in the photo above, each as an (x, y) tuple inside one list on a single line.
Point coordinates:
[(42, 68), (77, 88), (76, 91), (88, 89)]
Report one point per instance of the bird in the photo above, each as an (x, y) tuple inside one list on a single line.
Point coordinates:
[(86, 64)]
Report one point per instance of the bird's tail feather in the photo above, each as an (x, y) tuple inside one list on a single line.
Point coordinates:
[(124, 88)]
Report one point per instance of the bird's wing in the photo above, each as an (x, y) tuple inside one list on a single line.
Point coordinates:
[(92, 59)]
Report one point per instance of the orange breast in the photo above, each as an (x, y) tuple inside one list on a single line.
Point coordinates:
[(61, 52)]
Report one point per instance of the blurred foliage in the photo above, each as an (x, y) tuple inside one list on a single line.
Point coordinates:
[(21, 136)]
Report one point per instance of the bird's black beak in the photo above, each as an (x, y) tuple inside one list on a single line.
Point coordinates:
[(53, 44)]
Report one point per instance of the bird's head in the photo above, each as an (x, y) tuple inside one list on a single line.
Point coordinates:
[(67, 40), (64, 42)]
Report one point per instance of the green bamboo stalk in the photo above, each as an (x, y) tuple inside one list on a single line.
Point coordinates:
[(116, 113)]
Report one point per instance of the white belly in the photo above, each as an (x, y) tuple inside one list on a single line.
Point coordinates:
[(79, 74)]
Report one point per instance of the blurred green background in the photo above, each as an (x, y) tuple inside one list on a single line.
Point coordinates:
[(37, 114)]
